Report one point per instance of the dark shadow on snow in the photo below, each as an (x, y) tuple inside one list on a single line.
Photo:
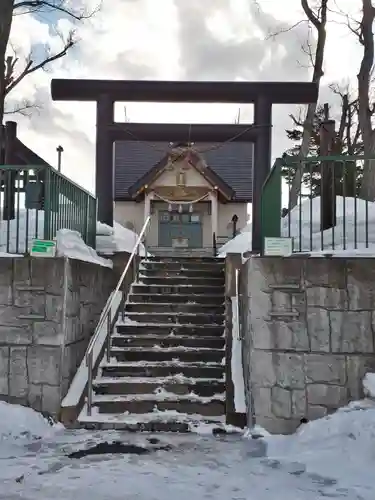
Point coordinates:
[(117, 448)]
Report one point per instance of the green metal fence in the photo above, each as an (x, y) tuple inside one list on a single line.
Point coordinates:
[(37, 201), (329, 213)]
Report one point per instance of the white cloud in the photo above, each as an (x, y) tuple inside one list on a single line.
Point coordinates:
[(168, 39)]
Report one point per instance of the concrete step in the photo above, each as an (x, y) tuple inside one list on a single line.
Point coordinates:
[(217, 299), (187, 307), (174, 318), (187, 264), (148, 422), (151, 386), (167, 341), (174, 354), (167, 281), (191, 370), (183, 273), (150, 403), (152, 426), (167, 288), (165, 252), (170, 330), (187, 260)]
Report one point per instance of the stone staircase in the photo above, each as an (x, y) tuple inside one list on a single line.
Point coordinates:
[(166, 369)]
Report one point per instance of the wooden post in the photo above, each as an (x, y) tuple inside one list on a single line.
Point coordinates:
[(328, 188)]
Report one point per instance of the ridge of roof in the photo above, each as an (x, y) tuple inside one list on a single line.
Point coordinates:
[(232, 161)]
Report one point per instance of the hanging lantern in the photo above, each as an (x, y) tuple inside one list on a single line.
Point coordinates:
[(191, 208), (180, 209), (169, 208)]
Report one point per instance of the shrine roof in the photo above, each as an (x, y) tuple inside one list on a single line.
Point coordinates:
[(231, 163)]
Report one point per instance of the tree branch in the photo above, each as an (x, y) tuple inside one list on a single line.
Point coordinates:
[(25, 108), (310, 14), (31, 68), (50, 5), (279, 31)]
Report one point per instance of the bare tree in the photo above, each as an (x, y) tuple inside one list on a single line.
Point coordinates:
[(12, 73), (365, 111), (318, 19), (6, 13)]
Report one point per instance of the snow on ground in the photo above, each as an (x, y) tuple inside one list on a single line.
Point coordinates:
[(332, 457), (355, 218)]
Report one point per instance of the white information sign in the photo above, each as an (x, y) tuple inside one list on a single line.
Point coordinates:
[(280, 247)]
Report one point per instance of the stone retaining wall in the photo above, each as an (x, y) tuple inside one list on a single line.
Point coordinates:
[(308, 326), (48, 311)]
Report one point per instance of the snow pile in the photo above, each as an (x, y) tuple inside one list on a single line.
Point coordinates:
[(240, 244), (116, 239), (19, 422), (316, 448), (355, 218), (70, 244), (340, 446), (349, 232), (30, 223), (369, 385)]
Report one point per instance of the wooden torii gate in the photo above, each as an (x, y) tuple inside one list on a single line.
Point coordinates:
[(106, 92)]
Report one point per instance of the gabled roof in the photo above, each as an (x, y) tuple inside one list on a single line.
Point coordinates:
[(26, 156), (232, 162), (190, 155)]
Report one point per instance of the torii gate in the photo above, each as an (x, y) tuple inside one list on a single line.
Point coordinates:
[(106, 92)]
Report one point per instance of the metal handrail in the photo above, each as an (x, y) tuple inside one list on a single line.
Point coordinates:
[(106, 316)]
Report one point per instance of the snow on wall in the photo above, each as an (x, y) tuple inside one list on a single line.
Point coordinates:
[(30, 224), (236, 362), (116, 239)]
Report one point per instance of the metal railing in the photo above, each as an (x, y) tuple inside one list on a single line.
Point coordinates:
[(37, 201), (329, 215), (69, 207), (106, 316)]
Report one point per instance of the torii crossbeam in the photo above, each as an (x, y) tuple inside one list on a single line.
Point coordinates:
[(106, 92)]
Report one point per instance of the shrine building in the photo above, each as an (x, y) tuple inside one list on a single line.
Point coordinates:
[(197, 194)]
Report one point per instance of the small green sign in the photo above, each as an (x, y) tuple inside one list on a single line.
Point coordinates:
[(43, 248)]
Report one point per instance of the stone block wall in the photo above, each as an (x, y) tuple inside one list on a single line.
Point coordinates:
[(48, 311), (309, 328)]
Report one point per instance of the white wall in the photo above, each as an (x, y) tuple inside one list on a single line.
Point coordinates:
[(131, 214), (226, 212)]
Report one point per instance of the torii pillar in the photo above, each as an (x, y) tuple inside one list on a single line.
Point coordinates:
[(106, 92)]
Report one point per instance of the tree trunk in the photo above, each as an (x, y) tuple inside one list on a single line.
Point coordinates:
[(364, 112), (6, 12), (320, 25)]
